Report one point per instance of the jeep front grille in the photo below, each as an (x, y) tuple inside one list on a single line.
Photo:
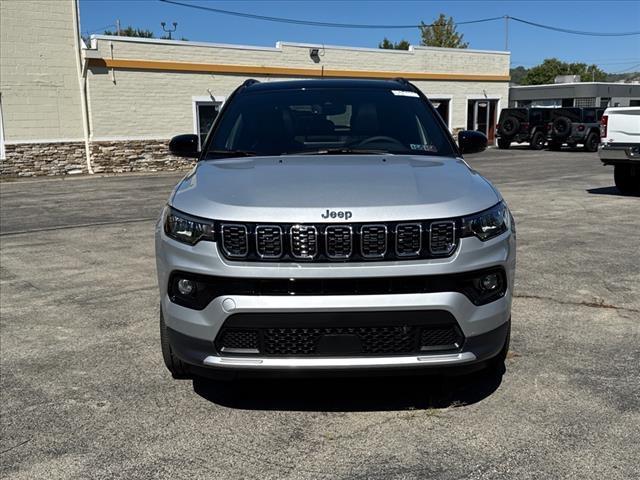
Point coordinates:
[(338, 242), (304, 241), (235, 242), (408, 239), (373, 241), (442, 238), (269, 241)]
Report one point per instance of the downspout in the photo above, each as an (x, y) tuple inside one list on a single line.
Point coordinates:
[(82, 83)]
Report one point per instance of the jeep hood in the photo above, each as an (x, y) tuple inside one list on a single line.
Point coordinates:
[(291, 189)]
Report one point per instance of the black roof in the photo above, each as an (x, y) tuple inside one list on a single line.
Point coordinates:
[(328, 83)]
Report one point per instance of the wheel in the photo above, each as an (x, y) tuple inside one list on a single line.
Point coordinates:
[(504, 144), (178, 369), (592, 142), (627, 178), (510, 126), (555, 146), (538, 141)]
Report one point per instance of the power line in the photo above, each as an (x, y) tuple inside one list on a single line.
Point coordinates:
[(319, 24), (629, 69), (99, 29), (576, 32), (388, 27)]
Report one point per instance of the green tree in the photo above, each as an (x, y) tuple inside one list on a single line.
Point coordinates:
[(550, 68), (389, 45), (517, 74), (132, 32), (442, 33)]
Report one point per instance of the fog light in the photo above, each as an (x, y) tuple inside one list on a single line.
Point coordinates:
[(490, 282), (186, 287)]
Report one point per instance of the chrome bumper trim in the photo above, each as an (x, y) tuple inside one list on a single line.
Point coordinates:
[(339, 362), (619, 152)]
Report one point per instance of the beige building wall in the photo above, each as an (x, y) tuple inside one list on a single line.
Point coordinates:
[(153, 95), (38, 74)]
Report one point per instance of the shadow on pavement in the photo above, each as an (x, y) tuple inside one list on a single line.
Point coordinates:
[(375, 393), (605, 191)]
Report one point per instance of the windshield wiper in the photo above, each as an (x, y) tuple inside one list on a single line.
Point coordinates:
[(340, 151), (232, 153)]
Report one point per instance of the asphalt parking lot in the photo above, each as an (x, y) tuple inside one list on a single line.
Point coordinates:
[(84, 393)]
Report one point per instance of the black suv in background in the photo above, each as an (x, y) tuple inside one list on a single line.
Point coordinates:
[(575, 125), (523, 125)]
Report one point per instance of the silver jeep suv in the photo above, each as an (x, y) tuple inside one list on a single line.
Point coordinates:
[(332, 225)]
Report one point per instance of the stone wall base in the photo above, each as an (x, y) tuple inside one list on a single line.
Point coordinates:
[(68, 158), (37, 159), (136, 156)]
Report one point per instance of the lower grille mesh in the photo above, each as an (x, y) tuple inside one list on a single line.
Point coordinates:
[(232, 339), (374, 340)]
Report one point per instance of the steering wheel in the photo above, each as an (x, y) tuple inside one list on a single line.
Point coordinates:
[(379, 139)]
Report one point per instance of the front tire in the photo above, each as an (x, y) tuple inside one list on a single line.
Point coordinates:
[(179, 370), (504, 144), (627, 179)]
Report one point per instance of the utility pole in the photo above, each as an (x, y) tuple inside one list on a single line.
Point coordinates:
[(118, 26), (506, 33), (168, 30)]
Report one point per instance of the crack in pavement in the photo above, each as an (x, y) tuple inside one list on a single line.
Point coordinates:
[(16, 446), (600, 304)]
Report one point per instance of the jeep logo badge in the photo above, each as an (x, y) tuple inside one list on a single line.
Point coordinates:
[(346, 214)]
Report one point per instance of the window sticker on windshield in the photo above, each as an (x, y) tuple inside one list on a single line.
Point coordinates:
[(424, 148), (404, 93)]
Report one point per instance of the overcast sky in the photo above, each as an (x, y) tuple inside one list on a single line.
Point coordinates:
[(529, 45)]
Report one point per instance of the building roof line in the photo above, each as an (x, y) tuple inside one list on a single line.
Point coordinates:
[(280, 44), (262, 70)]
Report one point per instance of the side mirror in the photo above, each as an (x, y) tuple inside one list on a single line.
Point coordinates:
[(185, 146), (471, 141)]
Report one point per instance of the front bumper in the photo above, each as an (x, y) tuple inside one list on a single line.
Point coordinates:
[(612, 153), (477, 349), (192, 332)]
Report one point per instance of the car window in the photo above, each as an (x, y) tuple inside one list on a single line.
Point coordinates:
[(519, 113), (573, 114), (536, 116), (307, 120), (589, 116)]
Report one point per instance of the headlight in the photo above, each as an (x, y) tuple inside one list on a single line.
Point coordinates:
[(187, 229), (487, 224)]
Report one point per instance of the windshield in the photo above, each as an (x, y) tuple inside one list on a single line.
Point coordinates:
[(317, 120)]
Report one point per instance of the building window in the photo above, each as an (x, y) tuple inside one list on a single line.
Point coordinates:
[(585, 102), (604, 102), (206, 113)]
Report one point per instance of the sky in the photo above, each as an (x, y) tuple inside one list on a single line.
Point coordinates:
[(528, 45)]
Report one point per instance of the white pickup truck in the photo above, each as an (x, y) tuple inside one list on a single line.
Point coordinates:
[(620, 146)]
